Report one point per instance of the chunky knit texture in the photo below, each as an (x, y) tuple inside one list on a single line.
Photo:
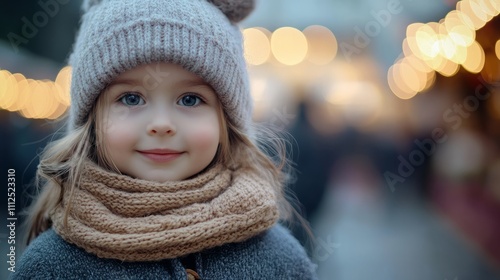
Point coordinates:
[(115, 216), (199, 35)]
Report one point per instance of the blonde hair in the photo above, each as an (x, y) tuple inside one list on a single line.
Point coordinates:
[(61, 164)]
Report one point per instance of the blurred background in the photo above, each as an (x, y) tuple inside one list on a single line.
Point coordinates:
[(393, 108)]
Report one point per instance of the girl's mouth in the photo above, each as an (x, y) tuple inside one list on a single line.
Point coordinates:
[(160, 155)]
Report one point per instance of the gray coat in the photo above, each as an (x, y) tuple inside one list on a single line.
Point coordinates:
[(275, 254)]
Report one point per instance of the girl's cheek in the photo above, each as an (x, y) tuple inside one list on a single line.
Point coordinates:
[(206, 137), (117, 117)]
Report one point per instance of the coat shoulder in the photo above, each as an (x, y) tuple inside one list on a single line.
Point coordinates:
[(46, 252), (274, 254)]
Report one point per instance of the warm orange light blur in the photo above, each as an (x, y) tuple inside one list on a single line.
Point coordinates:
[(459, 28), (497, 49), (17, 92), (418, 64), (475, 58), (7, 84), (396, 85), (427, 42), (256, 45), (491, 7), (421, 72), (59, 111), (63, 79), (448, 68), (52, 100), (447, 47), (358, 102), (410, 77), (411, 39), (482, 9), (28, 111), (322, 44), (289, 45), (431, 79), (460, 54), (444, 46), (436, 63), (476, 16), (35, 99)]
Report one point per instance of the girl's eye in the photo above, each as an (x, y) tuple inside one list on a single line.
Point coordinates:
[(189, 100), (132, 99)]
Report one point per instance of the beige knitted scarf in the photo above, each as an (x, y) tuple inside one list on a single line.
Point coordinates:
[(119, 217)]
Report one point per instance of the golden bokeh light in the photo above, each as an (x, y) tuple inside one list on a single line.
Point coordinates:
[(418, 64), (20, 98), (496, 6), (410, 77), (497, 49), (29, 110), (322, 44), (476, 16), (448, 68), (63, 79), (357, 102), (340, 94), (436, 63), (411, 40), (289, 45), (8, 86), (475, 58), (462, 35), (36, 99), (445, 45), (460, 54), (431, 79), (406, 48), (460, 28), (256, 45), (482, 9), (492, 7), (421, 70), (59, 111), (394, 81), (52, 100), (40, 100), (427, 42), (4, 98)]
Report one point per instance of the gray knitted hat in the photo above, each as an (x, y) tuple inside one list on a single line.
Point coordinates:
[(200, 35)]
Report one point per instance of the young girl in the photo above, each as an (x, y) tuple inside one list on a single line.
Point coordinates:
[(159, 175)]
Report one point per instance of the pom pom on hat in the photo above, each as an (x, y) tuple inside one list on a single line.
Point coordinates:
[(235, 10), (87, 4)]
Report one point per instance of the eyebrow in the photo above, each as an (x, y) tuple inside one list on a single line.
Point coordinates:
[(192, 83), (181, 83), (126, 81)]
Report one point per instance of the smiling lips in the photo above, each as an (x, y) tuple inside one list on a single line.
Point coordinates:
[(160, 155)]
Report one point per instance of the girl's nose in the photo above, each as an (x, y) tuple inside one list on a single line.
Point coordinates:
[(161, 124)]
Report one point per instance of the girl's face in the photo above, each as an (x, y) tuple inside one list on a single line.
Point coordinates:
[(160, 123)]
